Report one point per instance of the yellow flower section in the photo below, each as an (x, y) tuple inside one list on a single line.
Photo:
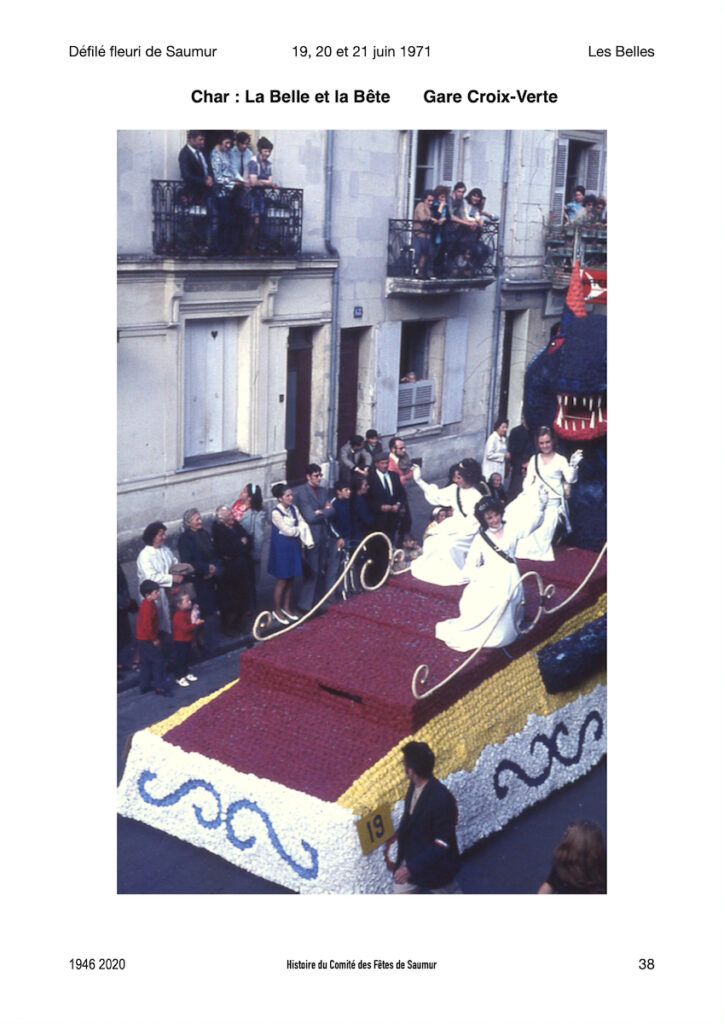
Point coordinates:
[(180, 716), (487, 715)]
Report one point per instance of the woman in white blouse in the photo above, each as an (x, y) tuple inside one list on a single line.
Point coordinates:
[(443, 554), (556, 474), (496, 448)]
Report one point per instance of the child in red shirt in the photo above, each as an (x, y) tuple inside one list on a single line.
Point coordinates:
[(153, 665), (185, 623)]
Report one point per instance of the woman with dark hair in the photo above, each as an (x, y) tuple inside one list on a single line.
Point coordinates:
[(154, 563), (285, 552), (552, 471), (579, 863), (496, 449), (224, 184), (196, 547), (443, 554), (441, 212), (491, 604), (231, 545)]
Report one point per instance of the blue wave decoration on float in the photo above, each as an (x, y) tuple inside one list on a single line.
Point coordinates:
[(243, 844), (238, 805), (554, 754)]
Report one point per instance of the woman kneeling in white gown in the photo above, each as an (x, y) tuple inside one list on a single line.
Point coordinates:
[(443, 554), (493, 573), (553, 472)]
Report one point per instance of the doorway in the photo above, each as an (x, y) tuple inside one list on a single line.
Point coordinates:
[(299, 403), (348, 383)]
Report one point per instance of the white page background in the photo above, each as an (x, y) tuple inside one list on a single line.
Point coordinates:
[(507, 960)]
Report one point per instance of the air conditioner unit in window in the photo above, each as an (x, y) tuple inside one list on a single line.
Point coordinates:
[(414, 403)]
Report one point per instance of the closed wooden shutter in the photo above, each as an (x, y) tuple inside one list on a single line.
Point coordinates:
[(453, 385), (448, 158), (210, 386), (558, 197), (387, 378), (415, 403)]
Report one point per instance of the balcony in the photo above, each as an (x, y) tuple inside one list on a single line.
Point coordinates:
[(564, 244), (182, 228), (458, 264)]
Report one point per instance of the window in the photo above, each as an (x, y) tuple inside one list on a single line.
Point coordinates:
[(436, 160), (215, 359), (416, 393), (577, 162)]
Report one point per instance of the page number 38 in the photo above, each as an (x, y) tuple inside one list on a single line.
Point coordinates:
[(646, 964)]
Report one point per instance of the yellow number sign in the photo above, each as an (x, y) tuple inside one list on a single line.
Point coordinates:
[(375, 829)]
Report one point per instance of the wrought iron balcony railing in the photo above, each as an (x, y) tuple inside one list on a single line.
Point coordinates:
[(564, 244), (259, 223), (458, 253)]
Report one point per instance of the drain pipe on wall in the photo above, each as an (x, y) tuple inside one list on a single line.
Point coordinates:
[(498, 308), (334, 326)]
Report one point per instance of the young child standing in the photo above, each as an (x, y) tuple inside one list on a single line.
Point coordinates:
[(153, 667), (185, 622)]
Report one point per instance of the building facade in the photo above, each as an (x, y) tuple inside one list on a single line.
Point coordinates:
[(244, 368)]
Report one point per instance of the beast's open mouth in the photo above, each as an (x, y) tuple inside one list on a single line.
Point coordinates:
[(581, 417)]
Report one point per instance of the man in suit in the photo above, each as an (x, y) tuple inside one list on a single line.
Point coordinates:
[(313, 503), (427, 849), (386, 497), (194, 168)]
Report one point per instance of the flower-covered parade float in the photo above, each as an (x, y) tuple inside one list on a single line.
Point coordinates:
[(294, 770)]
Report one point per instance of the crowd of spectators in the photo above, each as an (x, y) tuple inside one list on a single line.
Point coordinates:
[(228, 185), (448, 232)]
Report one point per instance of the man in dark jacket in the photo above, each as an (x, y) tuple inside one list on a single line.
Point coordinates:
[(428, 856), (387, 497)]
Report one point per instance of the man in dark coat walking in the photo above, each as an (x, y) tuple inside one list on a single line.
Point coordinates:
[(427, 849)]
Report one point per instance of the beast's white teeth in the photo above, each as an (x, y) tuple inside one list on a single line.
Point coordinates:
[(599, 401), (559, 421), (592, 424), (559, 399), (565, 399), (590, 403), (573, 423)]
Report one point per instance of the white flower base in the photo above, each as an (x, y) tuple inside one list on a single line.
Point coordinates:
[(311, 845)]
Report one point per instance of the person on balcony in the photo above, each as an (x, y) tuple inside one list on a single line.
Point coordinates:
[(601, 212), (241, 156), (259, 178), (462, 229), (194, 168), (441, 213), (573, 210), (477, 213), (224, 185), (423, 221), (197, 196)]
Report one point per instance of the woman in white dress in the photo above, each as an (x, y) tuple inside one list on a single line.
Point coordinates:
[(496, 448), (443, 555), (154, 563), (491, 567), (552, 471)]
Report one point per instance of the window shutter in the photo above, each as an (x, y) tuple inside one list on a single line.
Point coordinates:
[(448, 158), (558, 197), (415, 403), (210, 370), (453, 384), (595, 168), (388, 376)]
